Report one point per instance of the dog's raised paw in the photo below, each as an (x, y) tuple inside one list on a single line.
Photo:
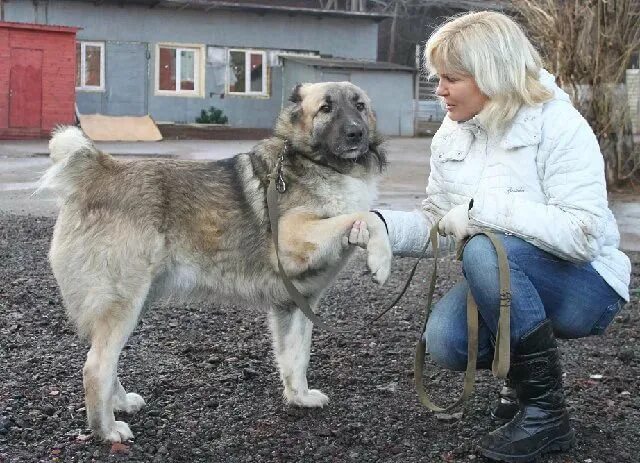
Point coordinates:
[(381, 275), (310, 398), (133, 403), (379, 261), (119, 432)]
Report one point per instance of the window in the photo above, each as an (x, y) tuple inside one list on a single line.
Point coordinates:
[(179, 70), (90, 66), (247, 72)]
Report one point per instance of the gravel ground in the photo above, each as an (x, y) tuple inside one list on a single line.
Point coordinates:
[(213, 394)]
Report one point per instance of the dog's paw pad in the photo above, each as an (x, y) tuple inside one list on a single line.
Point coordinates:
[(119, 432)]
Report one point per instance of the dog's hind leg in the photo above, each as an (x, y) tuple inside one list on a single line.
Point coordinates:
[(103, 392), (291, 332)]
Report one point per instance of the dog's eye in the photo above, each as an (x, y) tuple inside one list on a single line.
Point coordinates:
[(360, 106), (325, 108)]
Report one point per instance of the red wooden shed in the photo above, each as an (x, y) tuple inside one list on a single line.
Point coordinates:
[(37, 79)]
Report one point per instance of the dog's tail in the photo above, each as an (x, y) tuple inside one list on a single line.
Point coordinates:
[(72, 153)]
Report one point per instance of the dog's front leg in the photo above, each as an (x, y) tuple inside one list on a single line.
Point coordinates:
[(308, 242), (291, 332)]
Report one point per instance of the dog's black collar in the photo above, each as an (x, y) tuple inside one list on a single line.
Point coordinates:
[(286, 150)]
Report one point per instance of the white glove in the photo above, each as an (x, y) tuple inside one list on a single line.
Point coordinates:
[(456, 222)]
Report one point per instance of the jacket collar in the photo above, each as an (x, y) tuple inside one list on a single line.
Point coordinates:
[(525, 129)]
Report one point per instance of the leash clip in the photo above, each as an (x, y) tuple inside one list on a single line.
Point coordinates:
[(281, 186)]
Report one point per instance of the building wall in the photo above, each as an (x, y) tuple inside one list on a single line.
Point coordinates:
[(131, 33), (391, 92), (339, 37)]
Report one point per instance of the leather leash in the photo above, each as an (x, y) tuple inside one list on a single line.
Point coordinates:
[(277, 185), (502, 350)]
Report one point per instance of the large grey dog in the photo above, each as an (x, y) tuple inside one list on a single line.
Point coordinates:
[(130, 231)]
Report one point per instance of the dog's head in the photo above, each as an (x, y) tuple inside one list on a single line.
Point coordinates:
[(334, 122)]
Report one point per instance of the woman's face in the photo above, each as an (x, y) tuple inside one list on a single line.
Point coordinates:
[(461, 95)]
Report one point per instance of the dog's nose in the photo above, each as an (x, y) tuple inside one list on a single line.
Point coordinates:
[(354, 134)]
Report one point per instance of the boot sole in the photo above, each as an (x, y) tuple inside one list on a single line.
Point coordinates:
[(499, 420), (559, 444)]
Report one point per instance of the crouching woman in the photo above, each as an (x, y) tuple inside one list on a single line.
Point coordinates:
[(513, 142)]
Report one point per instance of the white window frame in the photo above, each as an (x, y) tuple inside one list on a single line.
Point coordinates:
[(83, 86), (198, 69), (247, 72)]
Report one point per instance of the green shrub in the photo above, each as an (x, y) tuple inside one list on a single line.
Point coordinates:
[(212, 116)]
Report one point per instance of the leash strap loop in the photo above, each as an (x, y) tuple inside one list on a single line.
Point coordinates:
[(501, 359)]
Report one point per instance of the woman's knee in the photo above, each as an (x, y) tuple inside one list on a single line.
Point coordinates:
[(566, 327), (445, 345), (479, 259)]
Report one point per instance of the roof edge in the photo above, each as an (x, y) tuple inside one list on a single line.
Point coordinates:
[(249, 7), (40, 27), (341, 63)]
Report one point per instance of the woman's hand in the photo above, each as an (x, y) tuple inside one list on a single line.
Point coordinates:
[(376, 243), (456, 222), (358, 235)]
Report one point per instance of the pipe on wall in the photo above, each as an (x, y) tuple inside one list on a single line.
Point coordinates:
[(40, 5)]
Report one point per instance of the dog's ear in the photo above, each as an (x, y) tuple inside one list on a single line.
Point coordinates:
[(296, 97)]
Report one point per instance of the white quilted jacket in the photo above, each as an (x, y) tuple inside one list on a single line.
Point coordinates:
[(542, 179)]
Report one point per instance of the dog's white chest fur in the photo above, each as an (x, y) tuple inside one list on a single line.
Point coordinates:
[(355, 194)]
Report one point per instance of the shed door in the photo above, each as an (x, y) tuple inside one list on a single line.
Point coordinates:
[(25, 88)]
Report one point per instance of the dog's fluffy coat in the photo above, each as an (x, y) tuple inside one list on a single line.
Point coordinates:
[(130, 231)]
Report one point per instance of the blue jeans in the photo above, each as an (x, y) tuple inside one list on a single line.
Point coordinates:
[(574, 297)]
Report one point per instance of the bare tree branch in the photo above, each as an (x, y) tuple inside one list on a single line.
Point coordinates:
[(588, 45)]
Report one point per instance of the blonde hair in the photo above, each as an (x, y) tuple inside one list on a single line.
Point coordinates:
[(491, 48)]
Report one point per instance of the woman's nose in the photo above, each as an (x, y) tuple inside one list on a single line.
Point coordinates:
[(441, 89)]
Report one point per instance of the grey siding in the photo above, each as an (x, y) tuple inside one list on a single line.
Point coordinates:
[(131, 33), (391, 92), (339, 37), (127, 76)]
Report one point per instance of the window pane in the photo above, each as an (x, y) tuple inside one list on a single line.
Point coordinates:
[(187, 70), (92, 65), (78, 64), (256, 72), (167, 69), (237, 72)]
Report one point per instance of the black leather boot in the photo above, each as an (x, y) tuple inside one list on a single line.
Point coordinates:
[(542, 422), (507, 405)]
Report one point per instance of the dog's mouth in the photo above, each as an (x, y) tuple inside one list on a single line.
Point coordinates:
[(353, 153)]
